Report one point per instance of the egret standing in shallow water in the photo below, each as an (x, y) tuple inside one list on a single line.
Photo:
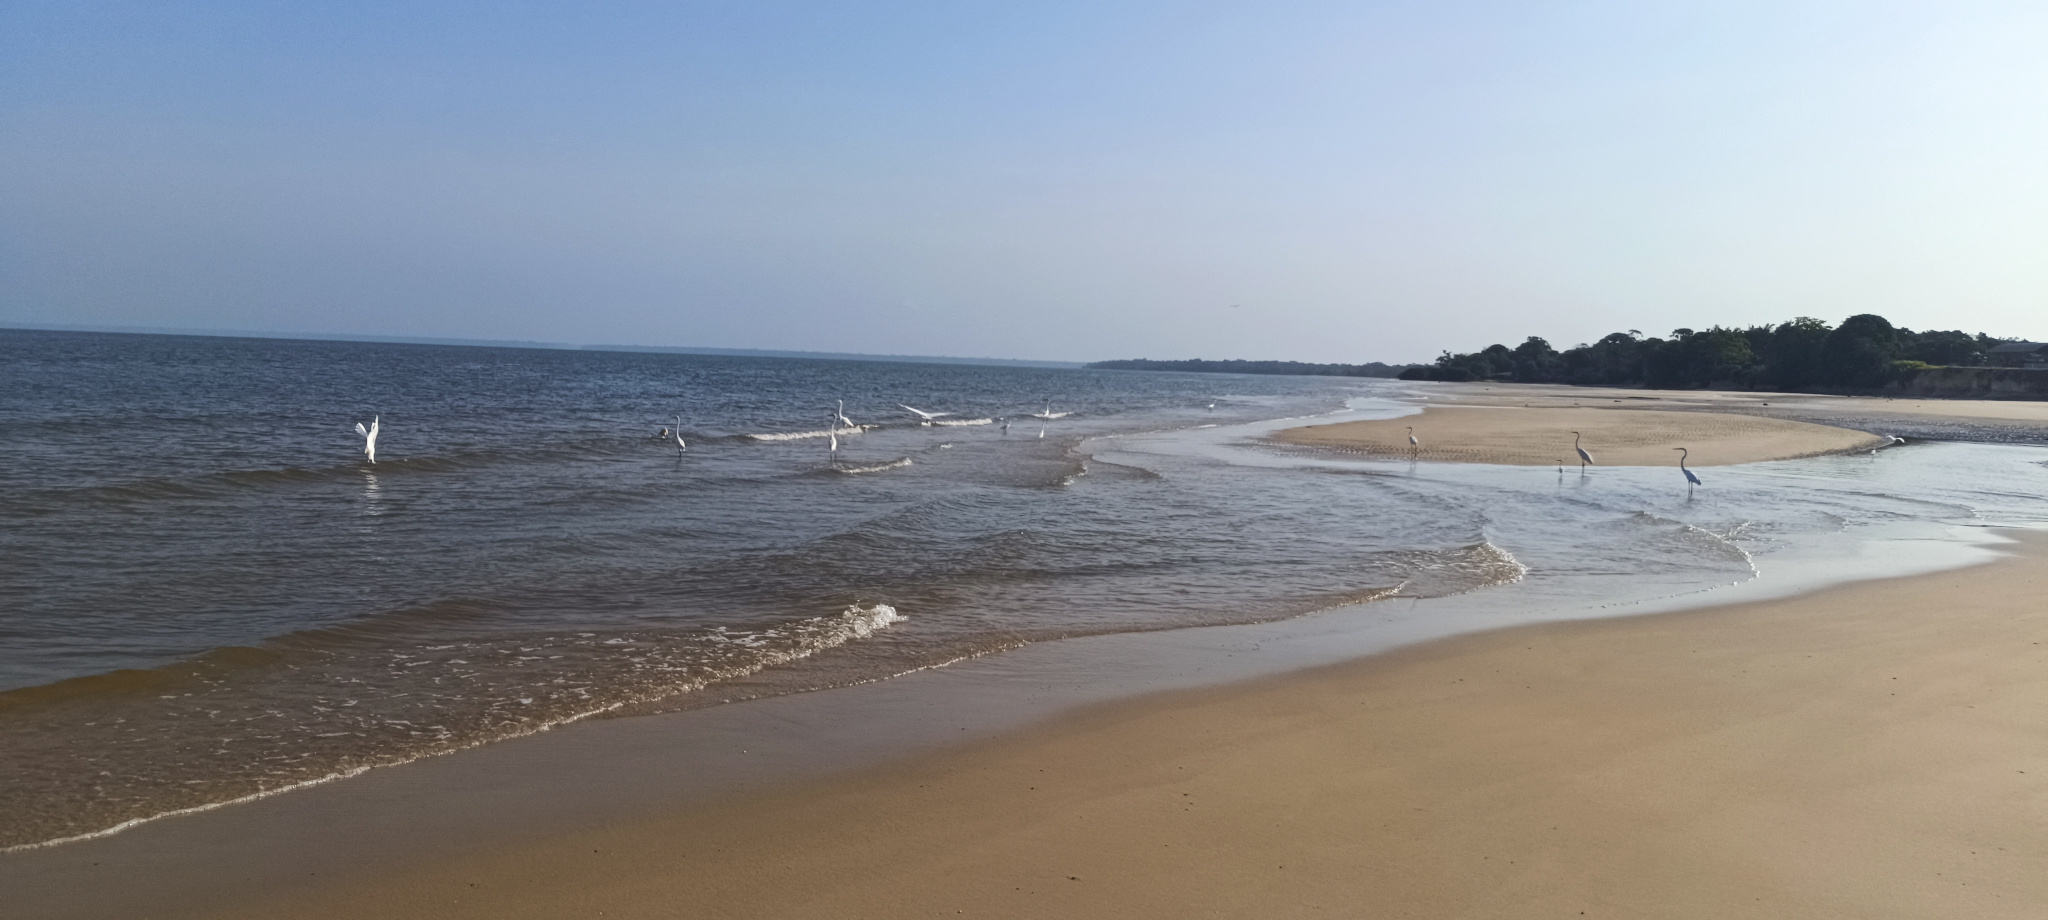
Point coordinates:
[(370, 437), (1690, 479), (1585, 459), (1414, 446), (679, 436)]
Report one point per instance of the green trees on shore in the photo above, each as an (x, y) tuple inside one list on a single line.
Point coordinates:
[(1864, 352)]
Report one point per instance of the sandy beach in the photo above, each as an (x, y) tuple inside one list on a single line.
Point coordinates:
[(1873, 750), (1615, 437)]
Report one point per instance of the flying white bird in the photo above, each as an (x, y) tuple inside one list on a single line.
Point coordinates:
[(1584, 458), (925, 417), (370, 437), (1047, 414), (1690, 479)]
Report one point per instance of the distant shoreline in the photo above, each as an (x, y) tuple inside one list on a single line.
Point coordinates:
[(542, 346), (1240, 366)]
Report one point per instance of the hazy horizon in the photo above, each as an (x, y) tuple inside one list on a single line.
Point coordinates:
[(1068, 182)]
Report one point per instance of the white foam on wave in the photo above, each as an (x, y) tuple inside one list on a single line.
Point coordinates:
[(800, 435), (875, 468), (965, 421), (1048, 416), (779, 645)]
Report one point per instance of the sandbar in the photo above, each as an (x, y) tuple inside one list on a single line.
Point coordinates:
[(1532, 436), (1954, 419)]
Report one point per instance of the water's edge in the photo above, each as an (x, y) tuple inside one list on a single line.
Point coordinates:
[(584, 774)]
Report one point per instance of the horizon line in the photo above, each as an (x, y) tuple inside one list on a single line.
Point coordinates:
[(534, 345)]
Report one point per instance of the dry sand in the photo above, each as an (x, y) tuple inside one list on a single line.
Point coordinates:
[(1616, 437), (1875, 750)]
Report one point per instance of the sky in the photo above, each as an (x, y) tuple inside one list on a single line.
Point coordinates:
[(1056, 180)]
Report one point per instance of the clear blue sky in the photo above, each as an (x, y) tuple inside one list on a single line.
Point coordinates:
[(1366, 181)]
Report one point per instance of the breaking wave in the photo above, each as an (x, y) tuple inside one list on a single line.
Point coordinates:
[(874, 467), (801, 435)]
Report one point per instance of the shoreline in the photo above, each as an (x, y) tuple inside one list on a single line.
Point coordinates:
[(605, 773), (1822, 753)]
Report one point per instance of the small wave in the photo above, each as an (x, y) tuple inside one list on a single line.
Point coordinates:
[(965, 421), (1109, 469), (399, 728), (1700, 537), (874, 468), (1440, 573), (801, 435), (1049, 416), (1349, 599)]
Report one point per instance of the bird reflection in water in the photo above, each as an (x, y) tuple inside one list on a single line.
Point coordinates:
[(373, 494)]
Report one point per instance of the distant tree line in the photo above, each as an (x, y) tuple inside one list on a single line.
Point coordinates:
[(1866, 351), (1197, 365)]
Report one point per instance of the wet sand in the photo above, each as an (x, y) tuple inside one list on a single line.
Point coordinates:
[(1533, 436), (1872, 750)]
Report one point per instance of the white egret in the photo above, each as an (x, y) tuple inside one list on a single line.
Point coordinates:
[(370, 437), (840, 416), (1585, 459), (925, 418), (1047, 414), (1006, 424), (679, 435), (1414, 446), (1690, 479)]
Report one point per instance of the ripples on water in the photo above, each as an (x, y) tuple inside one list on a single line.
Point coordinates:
[(208, 595)]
